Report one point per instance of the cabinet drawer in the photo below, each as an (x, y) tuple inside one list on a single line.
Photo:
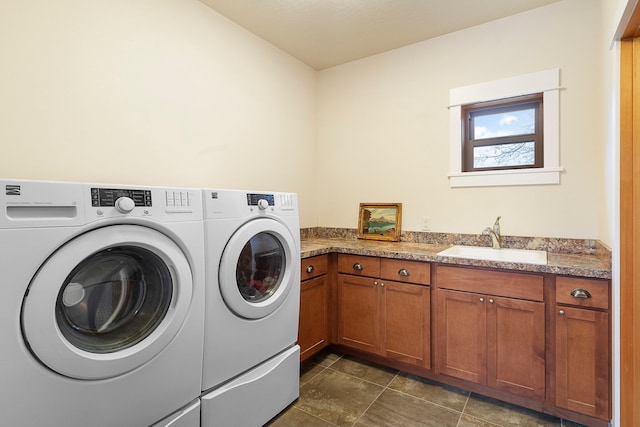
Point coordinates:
[(595, 293), (405, 271), (313, 267), (499, 283), (359, 265)]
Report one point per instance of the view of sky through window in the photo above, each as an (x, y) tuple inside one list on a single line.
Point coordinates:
[(520, 122)]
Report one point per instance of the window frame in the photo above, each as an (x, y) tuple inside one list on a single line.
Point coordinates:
[(545, 82), (469, 142)]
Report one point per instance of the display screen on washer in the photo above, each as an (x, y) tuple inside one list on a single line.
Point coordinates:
[(105, 197), (253, 198)]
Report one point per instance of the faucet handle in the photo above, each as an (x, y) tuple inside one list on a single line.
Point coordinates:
[(496, 225)]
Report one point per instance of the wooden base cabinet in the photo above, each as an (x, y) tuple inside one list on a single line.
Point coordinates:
[(489, 338), (461, 349), (313, 327), (384, 308), (583, 346), (516, 346), (359, 313), (406, 331)]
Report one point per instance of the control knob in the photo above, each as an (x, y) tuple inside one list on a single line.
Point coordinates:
[(124, 204), (263, 204)]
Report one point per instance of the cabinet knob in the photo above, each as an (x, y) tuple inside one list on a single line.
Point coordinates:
[(381, 285), (580, 293), (403, 272), (310, 269), (491, 301), (357, 266), (561, 312), (481, 299)]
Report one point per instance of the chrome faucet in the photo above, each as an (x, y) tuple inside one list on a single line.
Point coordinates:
[(494, 232)]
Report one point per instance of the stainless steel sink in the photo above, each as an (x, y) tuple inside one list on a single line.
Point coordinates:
[(504, 254)]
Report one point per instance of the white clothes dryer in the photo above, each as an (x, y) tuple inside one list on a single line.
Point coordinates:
[(252, 250), (102, 313)]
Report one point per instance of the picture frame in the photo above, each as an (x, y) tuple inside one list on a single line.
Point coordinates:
[(380, 221)]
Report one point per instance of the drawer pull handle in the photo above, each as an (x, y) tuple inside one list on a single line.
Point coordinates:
[(403, 272), (310, 269), (580, 293), (357, 266)]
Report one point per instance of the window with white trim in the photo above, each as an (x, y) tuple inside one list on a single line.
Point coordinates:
[(506, 132)]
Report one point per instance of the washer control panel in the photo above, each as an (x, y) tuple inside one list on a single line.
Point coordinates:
[(159, 204), (108, 197)]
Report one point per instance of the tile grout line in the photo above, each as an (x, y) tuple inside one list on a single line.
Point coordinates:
[(424, 400), (377, 397), (317, 417), (463, 408), (477, 417), (324, 368)]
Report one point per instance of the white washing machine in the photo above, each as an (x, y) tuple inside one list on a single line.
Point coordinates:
[(251, 360), (102, 307)]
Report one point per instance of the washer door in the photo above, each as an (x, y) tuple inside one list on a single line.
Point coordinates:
[(107, 302), (257, 268)]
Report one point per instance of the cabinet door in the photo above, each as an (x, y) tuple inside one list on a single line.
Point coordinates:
[(313, 331), (359, 313), (516, 346), (461, 335), (582, 361), (406, 323)]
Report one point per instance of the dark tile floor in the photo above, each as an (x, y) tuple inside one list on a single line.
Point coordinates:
[(338, 390)]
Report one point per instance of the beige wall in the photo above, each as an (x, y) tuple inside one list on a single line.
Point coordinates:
[(151, 92), (383, 126), (172, 93)]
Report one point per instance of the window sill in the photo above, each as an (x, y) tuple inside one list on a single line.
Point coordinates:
[(542, 176)]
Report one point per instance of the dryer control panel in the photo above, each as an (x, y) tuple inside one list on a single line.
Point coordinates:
[(253, 199)]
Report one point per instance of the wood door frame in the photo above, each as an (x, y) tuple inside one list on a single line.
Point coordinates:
[(630, 223)]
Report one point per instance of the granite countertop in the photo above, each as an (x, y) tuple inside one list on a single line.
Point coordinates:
[(581, 265)]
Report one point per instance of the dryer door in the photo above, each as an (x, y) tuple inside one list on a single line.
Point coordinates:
[(258, 268), (107, 302)]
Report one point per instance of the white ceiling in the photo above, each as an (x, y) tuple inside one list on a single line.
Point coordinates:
[(324, 33)]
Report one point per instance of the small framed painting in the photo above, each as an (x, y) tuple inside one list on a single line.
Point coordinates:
[(380, 221)]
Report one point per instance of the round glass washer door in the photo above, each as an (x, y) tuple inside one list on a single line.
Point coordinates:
[(107, 302), (257, 268)]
